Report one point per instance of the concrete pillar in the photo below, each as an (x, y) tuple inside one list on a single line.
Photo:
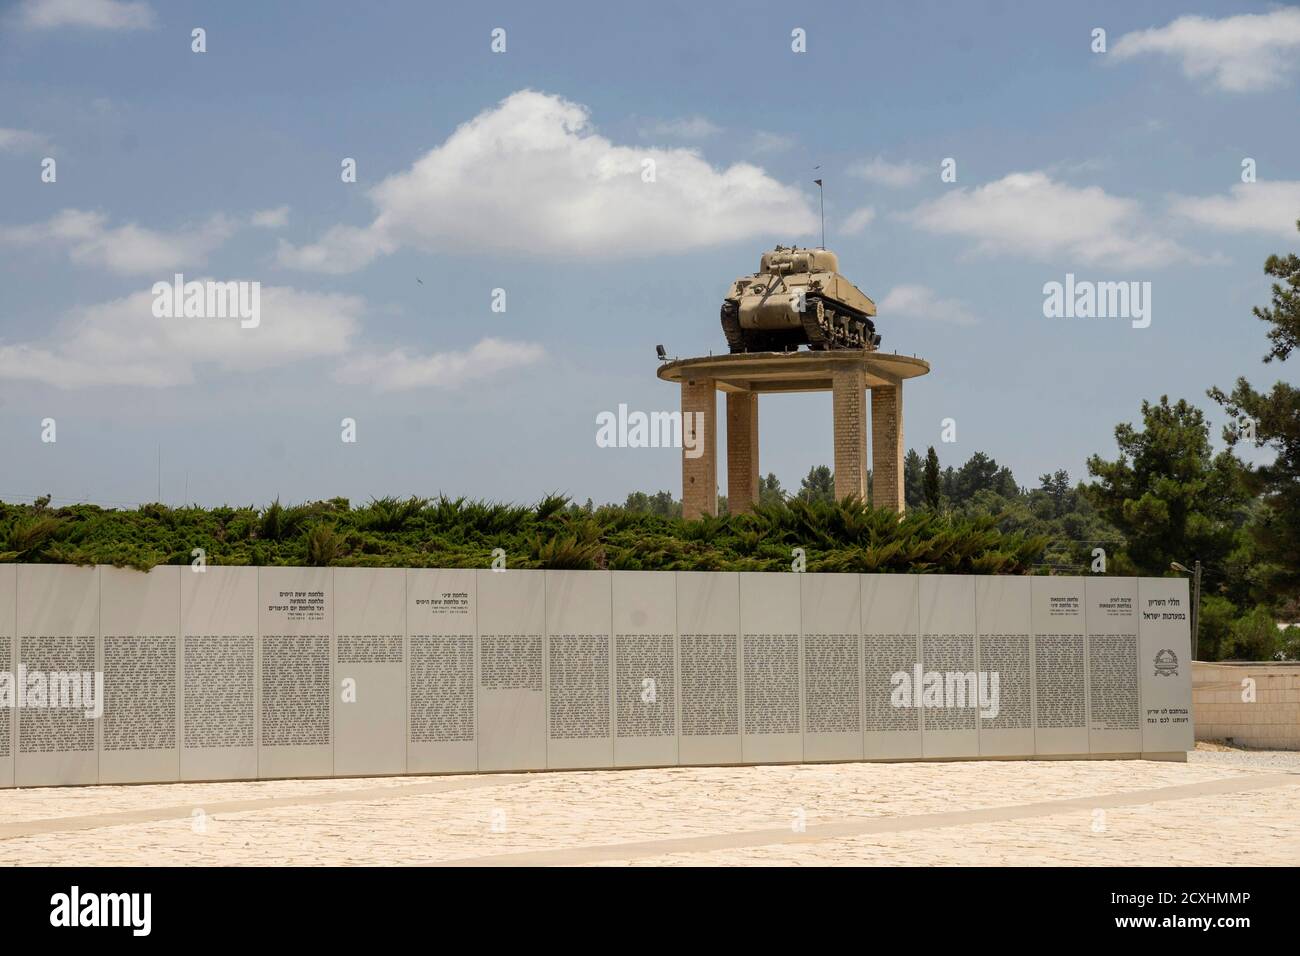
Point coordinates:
[(742, 451), (848, 401), (699, 448), (887, 447)]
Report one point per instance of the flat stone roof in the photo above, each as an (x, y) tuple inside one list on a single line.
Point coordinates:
[(792, 371)]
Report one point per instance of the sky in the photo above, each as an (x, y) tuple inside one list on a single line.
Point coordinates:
[(501, 155)]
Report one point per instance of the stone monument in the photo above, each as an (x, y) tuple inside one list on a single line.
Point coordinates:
[(797, 298), (240, 673), (847, 374)]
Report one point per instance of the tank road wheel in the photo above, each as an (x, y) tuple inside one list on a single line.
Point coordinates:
[(844, 328), (868, 332), (731, 326), (838, 327), (813, 318)]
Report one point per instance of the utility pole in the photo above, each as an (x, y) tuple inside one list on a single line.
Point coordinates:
[(821, 193), (1195, 572), (1196, 612)]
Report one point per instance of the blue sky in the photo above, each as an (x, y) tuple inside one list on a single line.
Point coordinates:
[(1117, 166)]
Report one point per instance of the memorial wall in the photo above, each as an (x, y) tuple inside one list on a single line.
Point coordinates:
[(116, 676)]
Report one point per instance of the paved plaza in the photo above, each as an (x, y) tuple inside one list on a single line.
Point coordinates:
[(1223, 807)]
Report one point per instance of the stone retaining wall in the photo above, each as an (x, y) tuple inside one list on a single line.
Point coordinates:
[(1224, 711)]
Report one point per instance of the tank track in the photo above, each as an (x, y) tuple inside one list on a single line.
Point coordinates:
[(731, 326), (823, 328), (827, 329)]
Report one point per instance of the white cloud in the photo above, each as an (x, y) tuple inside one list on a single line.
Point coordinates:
[(93, 14), (1253, 51), (920, 302), (691, 127), (530, 176), (1265, 206), (20, 141), (893, 175), (1077, 167), (126, 250), (1030, 214), (765, 142), (857, 221), (399, 370), (271, 218), (341, 249), (122, 343)]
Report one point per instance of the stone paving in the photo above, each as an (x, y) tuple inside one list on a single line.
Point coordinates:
[(1220, 808)]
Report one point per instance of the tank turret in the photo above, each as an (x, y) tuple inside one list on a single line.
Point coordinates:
[(797, 297)]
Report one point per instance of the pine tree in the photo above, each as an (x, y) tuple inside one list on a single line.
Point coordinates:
[(930, 481), (1273, 419), (819, 485), (913, 479), (1170, 496), (769, 490)]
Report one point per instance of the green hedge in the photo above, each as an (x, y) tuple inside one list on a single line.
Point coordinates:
[(846, 536)]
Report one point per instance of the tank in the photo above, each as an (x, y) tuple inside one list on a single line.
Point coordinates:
[(798, 297)]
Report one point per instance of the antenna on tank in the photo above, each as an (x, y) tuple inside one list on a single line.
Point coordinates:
[(821, 194)]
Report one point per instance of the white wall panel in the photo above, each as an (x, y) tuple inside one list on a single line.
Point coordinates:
[(1114, 692), (1060, 665), (58, 642), (9, 667), (369, 671), (140, 617), (296, 638), (771, 682), (645, 668), (1006, 656), (831, 610), (949, 722), (442, 673), (1165, 659), (512, 670), (579, 670), (220, 692), (891, 646), (708, 656)]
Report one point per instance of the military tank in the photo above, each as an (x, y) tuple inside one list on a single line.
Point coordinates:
[(797, 297)]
